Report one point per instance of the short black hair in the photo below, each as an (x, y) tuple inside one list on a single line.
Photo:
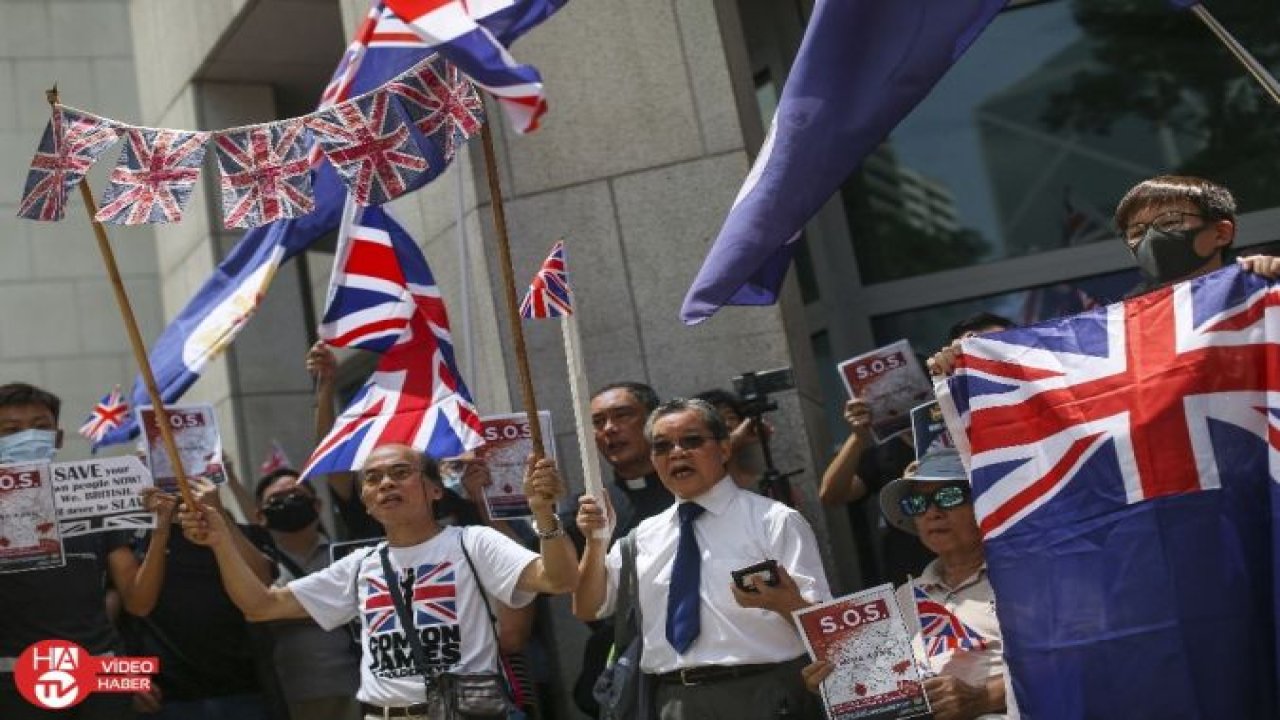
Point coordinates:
[(710, 416), (1214, 201), (978, 322), (643, 394), (270, 478), (720, 397), (20, 393)]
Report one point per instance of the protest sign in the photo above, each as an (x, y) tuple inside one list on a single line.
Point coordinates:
[(100, 495), (863, 635), (929, 429), (508, 441), (29, 537), (891, 381), (195, 432)]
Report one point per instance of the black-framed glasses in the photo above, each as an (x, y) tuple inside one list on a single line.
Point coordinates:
[(662, 446), (1164, 222), (398, 473), (916, 503)]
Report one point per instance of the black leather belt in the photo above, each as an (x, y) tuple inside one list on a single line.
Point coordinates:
[(713, 673), (395, 712)]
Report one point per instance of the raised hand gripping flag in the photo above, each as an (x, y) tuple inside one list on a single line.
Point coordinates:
[(1124, 463), (107, 415), (416, 395), (940, 629), (266, 174), (154, 178), (549, 294), (71, 143), (862, 66), (475, 36)]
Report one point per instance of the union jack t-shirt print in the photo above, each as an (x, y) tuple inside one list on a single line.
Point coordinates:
[(1123, 463)]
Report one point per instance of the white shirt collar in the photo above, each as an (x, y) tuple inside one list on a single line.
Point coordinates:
[(716, 500)]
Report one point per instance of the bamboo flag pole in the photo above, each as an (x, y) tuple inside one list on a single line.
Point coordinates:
[(1250, 63), (509, 286), (131, 328)]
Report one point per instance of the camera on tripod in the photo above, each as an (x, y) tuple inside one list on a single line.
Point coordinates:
[(754, 389)]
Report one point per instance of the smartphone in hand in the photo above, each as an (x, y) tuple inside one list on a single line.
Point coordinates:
[(766, 571)]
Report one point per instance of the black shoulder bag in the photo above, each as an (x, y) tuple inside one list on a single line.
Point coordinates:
[(622, 689), (480, 696)]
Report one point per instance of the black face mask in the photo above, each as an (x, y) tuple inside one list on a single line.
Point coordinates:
[(290, 514), (1168, 255)]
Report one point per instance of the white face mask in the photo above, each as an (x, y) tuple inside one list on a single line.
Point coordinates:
[(28, 446)]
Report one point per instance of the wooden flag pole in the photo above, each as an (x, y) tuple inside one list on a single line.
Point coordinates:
[(131, 327), (1250, 63), (509, 286)]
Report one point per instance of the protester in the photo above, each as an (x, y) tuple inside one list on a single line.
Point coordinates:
[(435, 565), (714, 651), (68, 602), (319, 670), (213, 664), (746, 460), (934, 502)]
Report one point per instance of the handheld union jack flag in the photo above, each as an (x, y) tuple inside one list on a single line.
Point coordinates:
[(442, 103), (475, 36), (107, 415), (266, 174), (941, 630), (383, 297), (434, 593), (71, 143), (549, 294), (368, 141), (1124, 463), (155, 175)]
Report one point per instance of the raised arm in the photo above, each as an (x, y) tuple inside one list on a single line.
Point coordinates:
[(840, 481), (139, 584), (322, 365), (593, 576), (556, 570)]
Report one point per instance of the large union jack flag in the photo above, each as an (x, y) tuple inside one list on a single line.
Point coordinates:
[(155, 175), (1123, 463), (442, 103), (266, 173), (549, 294), (368, 141), (941, 630), (107, 415), (71, 143), (434, 592), (384, 298)]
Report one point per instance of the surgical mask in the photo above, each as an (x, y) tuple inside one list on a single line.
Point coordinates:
[(1168, 255), (451, 478), (290, 514), (28, 446)]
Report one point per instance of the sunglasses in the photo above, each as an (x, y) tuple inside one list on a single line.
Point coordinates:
[(663, 446), (915, 504)]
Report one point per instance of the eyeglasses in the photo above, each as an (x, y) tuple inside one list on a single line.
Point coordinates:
[(1164, 222), (662, 446), (398, 473), (916, 503)]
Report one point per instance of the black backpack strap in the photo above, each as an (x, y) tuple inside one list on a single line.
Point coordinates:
[(406, 619), (484, 596), (626, 615)]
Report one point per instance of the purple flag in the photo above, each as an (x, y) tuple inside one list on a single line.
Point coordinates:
[(863, 65)]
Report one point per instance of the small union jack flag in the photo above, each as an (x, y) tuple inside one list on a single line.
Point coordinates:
[(434, 598), (368, 141), (106, 416), (440, 100), (155, 175), (71, 143), (266, 174), (277, 459), (941, 630), (549, 294)]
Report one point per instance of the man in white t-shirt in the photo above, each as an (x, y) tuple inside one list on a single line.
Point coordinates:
[(448, 612)]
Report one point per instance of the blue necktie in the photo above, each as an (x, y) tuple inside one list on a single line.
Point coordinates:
[(683, 605)]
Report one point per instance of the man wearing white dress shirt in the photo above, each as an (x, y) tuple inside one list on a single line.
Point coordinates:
[(714, 651)]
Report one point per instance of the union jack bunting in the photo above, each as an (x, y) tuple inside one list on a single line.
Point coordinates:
[(72, 141), (1124, 464), (475, 36), (434, 593), (107, 415), (384, 297), (442, 103), (940, 630), (155, 175), (368, 141), (549, 294), (266, 174)]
